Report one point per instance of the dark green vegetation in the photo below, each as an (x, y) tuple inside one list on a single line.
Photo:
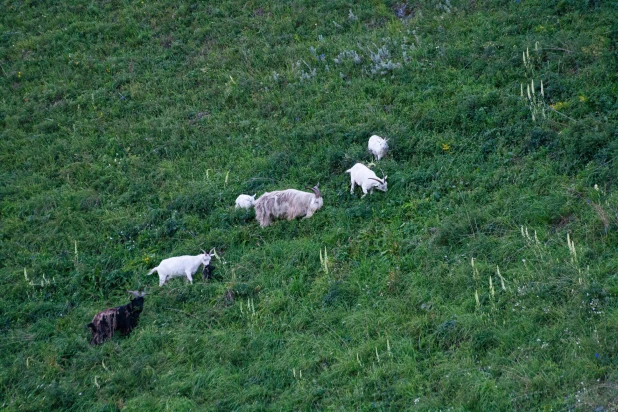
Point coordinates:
[(128, 129)]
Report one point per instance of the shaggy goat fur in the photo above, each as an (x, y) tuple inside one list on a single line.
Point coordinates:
[(288, 204), (122, 318)]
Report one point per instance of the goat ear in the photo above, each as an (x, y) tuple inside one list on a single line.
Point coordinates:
[(203, 251)]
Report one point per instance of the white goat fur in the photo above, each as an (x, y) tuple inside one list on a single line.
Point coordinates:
[(287, 204), (366, 179), (377, 146), (181, 266), (245, 201)]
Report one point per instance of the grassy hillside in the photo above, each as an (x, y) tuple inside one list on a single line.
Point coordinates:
[(486, 278)]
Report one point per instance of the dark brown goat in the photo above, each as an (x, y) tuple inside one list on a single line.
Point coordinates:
[(122, 318), (207, 272)]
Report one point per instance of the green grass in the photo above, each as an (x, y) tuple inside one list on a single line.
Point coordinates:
[(127, 129)]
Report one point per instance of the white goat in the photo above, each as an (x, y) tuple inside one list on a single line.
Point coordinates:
[(181, 266), (287, 204), (377, 146), (245, 201), (366, 179)]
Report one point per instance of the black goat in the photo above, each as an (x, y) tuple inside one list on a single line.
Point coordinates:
[(207, 272), (123, 318)]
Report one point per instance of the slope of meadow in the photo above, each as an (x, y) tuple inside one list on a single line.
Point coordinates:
[(486, 278)]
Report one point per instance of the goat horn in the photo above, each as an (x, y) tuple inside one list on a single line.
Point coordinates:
[(203, 251), (377, 180), (212, 251), (316, 190), (134, 293)]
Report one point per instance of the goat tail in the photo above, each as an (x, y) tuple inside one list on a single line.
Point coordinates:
[(348, 171), (153, 271)]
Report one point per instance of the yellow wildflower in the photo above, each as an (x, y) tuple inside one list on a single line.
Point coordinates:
[(446, 147), (557, 106)]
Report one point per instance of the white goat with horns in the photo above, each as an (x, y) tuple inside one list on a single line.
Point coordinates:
[(289, 204), (366, 179), (181, 266)]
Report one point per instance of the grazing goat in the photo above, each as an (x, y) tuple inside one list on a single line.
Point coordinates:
[(287, 204), (245, 201), (122, 318), (181, 266), (377, 146), (207, 272), (366, 179)]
